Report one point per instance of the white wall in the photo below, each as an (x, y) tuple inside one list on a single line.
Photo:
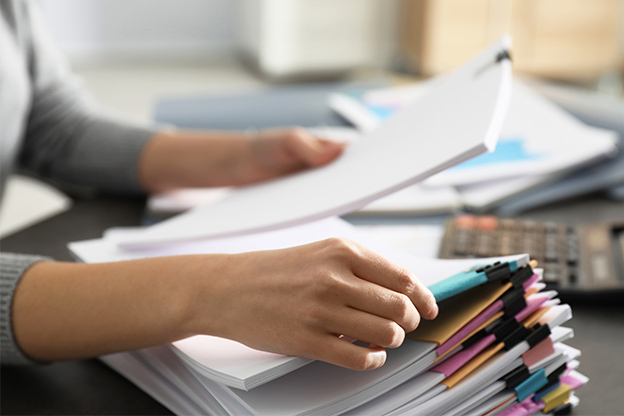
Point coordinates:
[(141, 28)]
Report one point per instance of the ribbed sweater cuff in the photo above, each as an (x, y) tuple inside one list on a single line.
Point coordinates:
[(12, 268)]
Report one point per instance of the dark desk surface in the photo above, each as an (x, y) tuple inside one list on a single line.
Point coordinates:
[(90, 387)]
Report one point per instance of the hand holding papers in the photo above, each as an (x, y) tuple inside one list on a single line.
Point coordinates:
[(459, 119)]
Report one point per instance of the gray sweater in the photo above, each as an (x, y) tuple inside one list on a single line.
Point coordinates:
[(49, 128)]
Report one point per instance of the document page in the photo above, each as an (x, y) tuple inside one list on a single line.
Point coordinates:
[(459, 119)]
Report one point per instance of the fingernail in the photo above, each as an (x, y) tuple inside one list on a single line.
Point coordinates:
[(377, 359), (433, 312)]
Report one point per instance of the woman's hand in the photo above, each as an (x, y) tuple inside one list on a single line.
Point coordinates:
[(182, 159), (282, 151), (296, 301), (300, 301)]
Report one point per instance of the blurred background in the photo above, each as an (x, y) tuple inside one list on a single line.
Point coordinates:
[(347, 64), (131, 51)]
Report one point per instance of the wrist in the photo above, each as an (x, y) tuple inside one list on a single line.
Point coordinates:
[(206, 294), (186, 159)]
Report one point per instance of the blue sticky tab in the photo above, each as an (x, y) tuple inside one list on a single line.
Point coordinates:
[(532, 384), (538, 396), (458, 283)]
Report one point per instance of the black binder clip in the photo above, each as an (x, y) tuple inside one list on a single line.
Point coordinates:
[(516, 376), (539, 334), (505, 329), (504, 54), (497, 271), (518, 278), (516, 337), (513, 302)]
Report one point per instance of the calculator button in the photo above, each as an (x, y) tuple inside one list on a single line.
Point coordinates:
[(551, 227), (529, 225), (487, 222), (465, 222), (507, 225)]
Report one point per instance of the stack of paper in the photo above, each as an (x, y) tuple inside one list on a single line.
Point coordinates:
[(498, 336), (539, 143)]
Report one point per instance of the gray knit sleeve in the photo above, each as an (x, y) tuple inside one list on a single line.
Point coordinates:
[(68, 139), (12, 267)]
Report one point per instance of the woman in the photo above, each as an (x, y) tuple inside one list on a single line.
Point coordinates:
[(53, 310)]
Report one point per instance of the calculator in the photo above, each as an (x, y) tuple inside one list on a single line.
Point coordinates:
[(584, 261)]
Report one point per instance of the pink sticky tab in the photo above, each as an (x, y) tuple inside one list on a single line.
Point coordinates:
[(531, 280), (538, 352), (526, 408), (572, 381), (532, 305), (454, 363)]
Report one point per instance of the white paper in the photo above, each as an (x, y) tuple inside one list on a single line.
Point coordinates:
[(487, 194), (459, 119), (180, 200), (429, 270), (415, 199), (227, 361), (538, 138), (322, 388), (27, 201), (143, 374), (234, 364)]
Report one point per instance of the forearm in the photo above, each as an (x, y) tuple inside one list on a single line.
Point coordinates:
[(72, 311), (174, 159)]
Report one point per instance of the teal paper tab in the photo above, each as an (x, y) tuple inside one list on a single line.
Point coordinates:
[(467, 279), (458, 283), (532, 384)]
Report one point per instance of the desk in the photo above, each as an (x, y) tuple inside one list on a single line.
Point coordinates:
[(90, 387)]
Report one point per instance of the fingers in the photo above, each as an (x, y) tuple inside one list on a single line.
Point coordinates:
[(382, 271), (368, 328), (384, 303), (337, 351), (311, 150), (375, 268)]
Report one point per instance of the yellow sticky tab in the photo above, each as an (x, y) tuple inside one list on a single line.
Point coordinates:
[(532, 319), (458, 311), (556, 398), (530, 291)]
